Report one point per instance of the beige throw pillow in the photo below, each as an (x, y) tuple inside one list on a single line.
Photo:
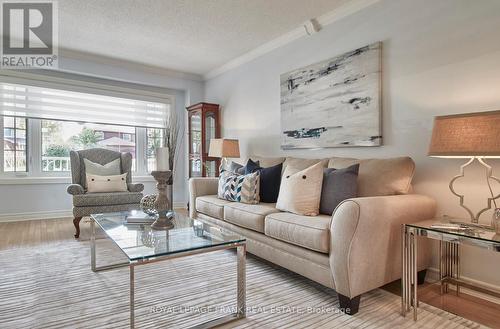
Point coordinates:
[(102, 184), (300, 190)]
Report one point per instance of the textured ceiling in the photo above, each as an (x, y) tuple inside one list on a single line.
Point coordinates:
[(193, 36)]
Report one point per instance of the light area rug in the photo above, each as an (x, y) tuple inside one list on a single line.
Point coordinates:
[(53, 287)]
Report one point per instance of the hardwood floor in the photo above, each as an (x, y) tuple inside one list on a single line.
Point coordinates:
[(51, 231), (466, 306)]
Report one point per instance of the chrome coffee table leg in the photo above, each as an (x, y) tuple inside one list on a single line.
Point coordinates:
[(132, 301), (241, 302)]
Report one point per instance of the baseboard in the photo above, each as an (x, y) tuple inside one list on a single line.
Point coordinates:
[(180, 205), (433, 276), (24, 216)]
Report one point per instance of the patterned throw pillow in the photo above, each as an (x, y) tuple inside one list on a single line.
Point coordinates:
[(239, 188)]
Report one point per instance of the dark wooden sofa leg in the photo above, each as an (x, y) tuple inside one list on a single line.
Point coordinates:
[(421, 276), (76, 222), (348, 305)]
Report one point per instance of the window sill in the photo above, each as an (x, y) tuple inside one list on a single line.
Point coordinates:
[(57, 180)]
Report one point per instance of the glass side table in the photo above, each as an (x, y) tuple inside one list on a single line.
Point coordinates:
[(449, 250)]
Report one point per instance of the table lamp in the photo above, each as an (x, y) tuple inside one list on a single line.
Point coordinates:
[(224, 148), (473, 136)]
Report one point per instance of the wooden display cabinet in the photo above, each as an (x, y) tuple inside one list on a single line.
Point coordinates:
[(204, 124)]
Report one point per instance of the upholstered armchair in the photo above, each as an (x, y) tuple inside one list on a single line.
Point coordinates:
[(84, 203)]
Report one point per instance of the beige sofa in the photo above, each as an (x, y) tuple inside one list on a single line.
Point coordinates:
[(355, 250)]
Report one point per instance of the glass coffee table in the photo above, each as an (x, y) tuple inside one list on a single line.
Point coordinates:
[(142, 245)]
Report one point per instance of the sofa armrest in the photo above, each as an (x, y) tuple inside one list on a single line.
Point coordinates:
[(366, 240), (199, 186), (135, 187), (75, 189)]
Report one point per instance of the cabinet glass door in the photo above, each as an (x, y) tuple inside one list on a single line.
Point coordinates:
[(209, 128), (211, 168), (195, 133), (195, 167)]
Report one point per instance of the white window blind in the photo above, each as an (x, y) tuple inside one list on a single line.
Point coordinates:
[(57, 104)]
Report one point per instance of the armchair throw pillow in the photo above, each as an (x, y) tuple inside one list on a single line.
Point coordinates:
[(109, 169), (103, 184)]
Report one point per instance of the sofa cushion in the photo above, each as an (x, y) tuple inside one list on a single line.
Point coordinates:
[(249, 216), (300, 191), (379, 177), (263, 162), (309, 232), (103, 199), (211, 205), (300, 164)]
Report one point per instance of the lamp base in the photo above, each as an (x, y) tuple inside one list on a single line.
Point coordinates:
[(489, 175)]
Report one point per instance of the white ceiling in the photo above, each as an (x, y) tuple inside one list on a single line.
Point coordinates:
[(193, 36)]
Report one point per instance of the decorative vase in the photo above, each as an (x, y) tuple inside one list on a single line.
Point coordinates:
[(162, 203), (148, 204), (170, 195)]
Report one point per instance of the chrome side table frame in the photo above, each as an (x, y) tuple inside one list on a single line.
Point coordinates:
[(409, 280), (241, 276), (449, 264)]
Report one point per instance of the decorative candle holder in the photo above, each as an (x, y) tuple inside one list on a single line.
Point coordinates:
[(162, 203)]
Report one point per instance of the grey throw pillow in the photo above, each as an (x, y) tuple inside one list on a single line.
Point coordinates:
[(241, 170), (236, 168), (338, 185), (109, 169)]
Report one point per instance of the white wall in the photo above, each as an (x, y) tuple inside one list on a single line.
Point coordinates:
[(32, 199), (439, 57)]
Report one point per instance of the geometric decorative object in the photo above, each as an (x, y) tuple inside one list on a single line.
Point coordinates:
[(162, 203), (148, 204), (475, 136), (333, 103)]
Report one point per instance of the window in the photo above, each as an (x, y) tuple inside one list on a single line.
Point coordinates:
[(60, 137), (14, 144), (155, 138), (45, 124)]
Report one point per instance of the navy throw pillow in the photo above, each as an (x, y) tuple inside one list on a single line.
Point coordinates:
[(338, 185), (251, 166), (270, 180)]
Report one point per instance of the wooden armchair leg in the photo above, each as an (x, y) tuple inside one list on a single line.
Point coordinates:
[(76, 222)]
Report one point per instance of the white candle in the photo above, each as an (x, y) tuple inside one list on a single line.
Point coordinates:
[(162, 159)]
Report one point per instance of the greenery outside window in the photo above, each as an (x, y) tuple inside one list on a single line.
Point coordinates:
[(155, 138), (60, 137)]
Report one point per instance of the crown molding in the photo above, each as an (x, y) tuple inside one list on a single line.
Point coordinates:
[(343, 11), (112, 61)]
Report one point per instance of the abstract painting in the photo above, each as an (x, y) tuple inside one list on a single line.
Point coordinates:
[(334, 103)]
